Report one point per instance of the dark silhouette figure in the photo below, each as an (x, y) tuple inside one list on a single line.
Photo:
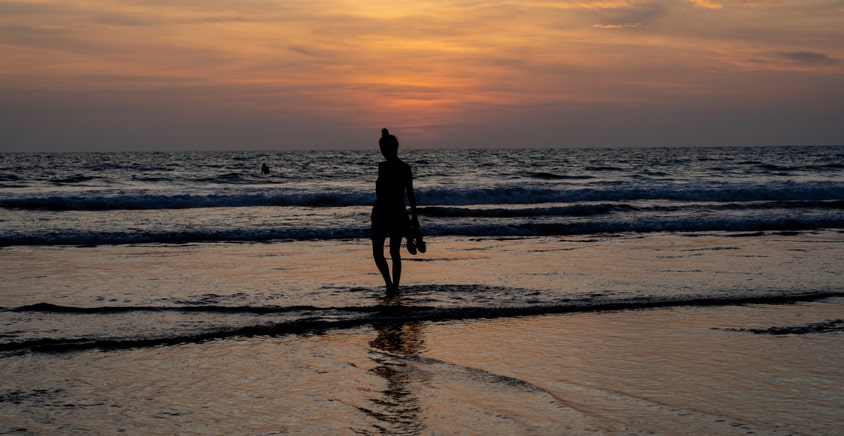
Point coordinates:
[(389, 214), (265, 169)]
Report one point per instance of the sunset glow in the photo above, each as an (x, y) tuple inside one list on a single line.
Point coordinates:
[(136, 74)]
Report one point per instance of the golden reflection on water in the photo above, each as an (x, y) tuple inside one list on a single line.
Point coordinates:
[(397, 409)]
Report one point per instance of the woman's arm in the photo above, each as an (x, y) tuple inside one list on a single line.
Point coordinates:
[(411, 196)]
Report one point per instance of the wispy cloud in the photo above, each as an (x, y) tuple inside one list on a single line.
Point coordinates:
[(631, 15), (721, 4), (593, 4), (707, 4), (806, 58), (619, 26)]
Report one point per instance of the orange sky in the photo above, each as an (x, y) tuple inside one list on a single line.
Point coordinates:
[(151, 74)]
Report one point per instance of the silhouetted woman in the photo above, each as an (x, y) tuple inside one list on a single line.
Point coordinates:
[(389, 214)]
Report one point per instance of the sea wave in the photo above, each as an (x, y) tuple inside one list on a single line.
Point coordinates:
[(512, 226), (505, 194), (594, 209), (390, 311), (621, 191), (143, 201)]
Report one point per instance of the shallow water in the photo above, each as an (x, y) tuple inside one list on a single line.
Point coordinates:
[(668, 371), (628, 334), (126, 296)]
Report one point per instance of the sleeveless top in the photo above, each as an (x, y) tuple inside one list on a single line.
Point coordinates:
[(394, 177)]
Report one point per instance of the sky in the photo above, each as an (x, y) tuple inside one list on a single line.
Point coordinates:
[(89, 75)]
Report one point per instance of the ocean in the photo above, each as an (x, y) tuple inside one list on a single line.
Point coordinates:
[(122, 198), (186, 292)]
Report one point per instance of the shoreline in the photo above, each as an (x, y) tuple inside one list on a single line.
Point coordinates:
[(634, 264), (664, 371)]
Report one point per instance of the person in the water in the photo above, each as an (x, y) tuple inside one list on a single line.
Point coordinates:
[(389, 214)]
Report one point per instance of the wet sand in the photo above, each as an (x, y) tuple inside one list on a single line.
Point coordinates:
[(680, 370), (653, 265), (664, 371)]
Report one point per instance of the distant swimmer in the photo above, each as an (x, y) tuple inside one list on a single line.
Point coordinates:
[(265, 169), (389, 214)]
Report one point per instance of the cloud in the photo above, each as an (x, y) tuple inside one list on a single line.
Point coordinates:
[(634, 15), (592, 4), (806, 58), (707, 4), (619, 26), (722, 4), (303, 50)]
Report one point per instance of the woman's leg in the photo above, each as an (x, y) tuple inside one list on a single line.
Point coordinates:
[(395, 254), (378, 239)]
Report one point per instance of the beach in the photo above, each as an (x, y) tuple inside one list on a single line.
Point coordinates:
[(606, 217), (563, 292), (713, 367)]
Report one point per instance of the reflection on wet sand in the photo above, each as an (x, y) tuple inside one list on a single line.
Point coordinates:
[(397, 409)]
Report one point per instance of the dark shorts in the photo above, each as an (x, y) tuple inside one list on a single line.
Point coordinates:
[(389, 222)]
